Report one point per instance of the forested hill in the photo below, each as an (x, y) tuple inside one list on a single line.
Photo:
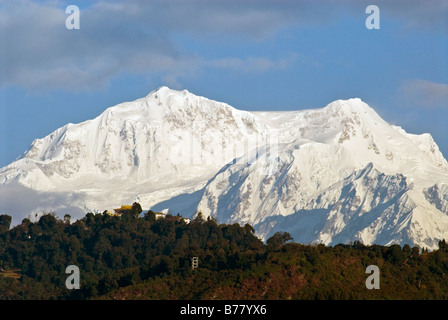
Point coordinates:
[(134, 257)]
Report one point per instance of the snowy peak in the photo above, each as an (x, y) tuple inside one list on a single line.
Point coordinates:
[(164, 93), (153, 138), (335, 174), (337, 122), (350, 106), (165, 97), (182, 109), (355, 117)]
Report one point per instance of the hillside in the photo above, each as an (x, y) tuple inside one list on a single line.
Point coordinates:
[(132, 257)]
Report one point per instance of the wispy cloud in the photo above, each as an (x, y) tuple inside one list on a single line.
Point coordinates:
[(253, 64), (424, 93), (26, 203), (416, 14), (142, 37), (37, 51)]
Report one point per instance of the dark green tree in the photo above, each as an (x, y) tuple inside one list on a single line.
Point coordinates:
[(90, 219), (150, 216), (278, 240), (395, 254), (443, 246), (26, 221), (67, 218), (136, 209), (415, 252), (47, 221), (199, 217), (5, 222)]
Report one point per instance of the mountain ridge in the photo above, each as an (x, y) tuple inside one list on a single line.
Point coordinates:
[(262, 168)]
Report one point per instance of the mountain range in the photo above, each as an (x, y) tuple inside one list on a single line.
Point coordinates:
[(331, 175)]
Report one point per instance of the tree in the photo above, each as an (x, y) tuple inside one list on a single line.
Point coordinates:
[(5, 222), (136, 209), (248, 229), (278, 240), (150, 216), (90, 218), (199, 217), (415, 252), (407, 250), (47, 221), (395, 254), (67, 218), (443, 246)]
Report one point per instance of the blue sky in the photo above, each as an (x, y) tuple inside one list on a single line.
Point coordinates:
[(254, 55)]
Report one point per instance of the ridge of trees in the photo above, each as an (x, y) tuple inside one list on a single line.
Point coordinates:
[(134, 257)]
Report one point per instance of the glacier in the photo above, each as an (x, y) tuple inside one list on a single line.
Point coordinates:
[(330, 175)]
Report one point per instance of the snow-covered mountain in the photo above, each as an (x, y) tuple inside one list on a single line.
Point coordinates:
[(330, 175)]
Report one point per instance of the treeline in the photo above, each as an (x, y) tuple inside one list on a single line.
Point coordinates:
[(309, 272), (134, 257), (115, 251)]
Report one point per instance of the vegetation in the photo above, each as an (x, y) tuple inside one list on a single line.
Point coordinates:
[(134, 257)]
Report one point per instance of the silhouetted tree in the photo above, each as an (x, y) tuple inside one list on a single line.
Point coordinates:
[(150, 216), (136, 209), (47, 221), (5, 222), (67, 218), (278, 240), (443, 246), (199, 217)]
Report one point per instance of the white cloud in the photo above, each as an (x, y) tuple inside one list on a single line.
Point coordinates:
[(424, 93), (119, 37), (39, 52), (21, 202), (142, 37)]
